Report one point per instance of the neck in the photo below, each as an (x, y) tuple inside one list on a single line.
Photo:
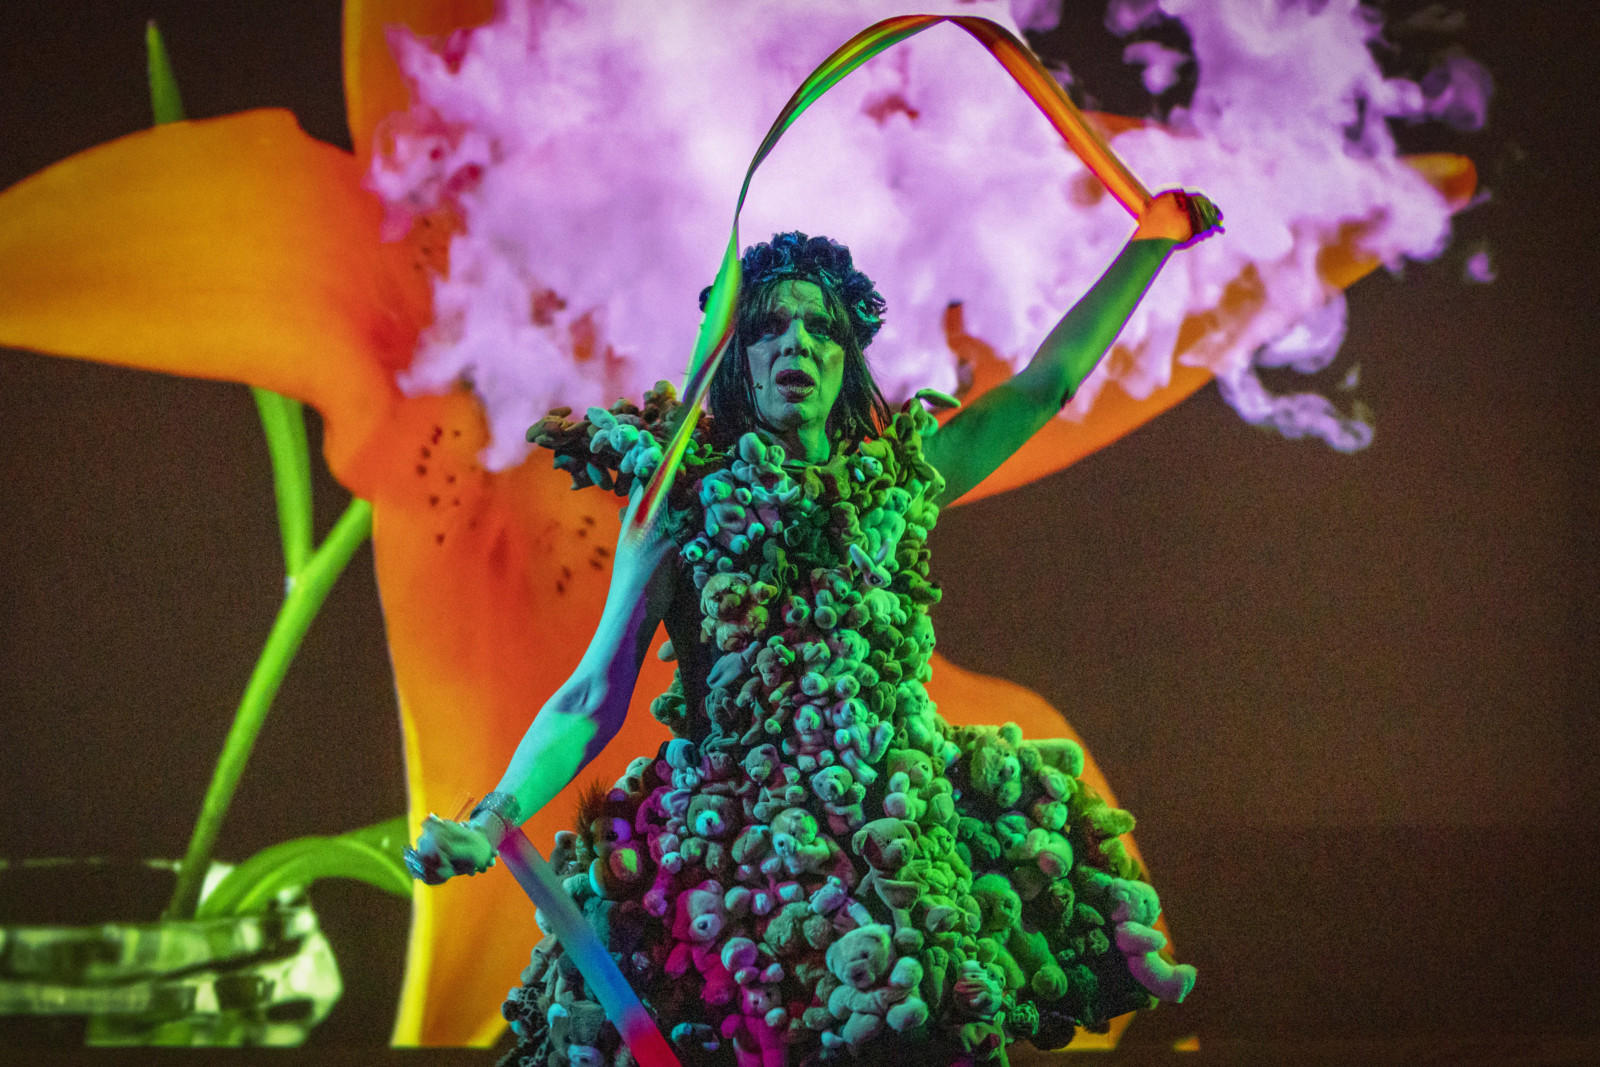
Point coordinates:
[(809, 443)]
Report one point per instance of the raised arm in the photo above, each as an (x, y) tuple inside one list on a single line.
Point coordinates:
[(578, 720), (969, 447)]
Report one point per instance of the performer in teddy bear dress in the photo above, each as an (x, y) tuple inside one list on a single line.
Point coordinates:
[(819, 865)]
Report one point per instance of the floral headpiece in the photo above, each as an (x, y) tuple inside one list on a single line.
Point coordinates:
[(816, 259)]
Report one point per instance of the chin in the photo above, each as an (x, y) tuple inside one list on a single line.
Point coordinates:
[(785, 418)]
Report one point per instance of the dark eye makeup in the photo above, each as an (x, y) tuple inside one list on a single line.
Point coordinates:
[(776, 323)]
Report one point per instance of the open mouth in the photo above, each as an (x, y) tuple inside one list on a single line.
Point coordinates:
[(794, 384)]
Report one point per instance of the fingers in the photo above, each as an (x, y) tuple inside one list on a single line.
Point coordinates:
[(445, 849), (1167, 217), (423, 863), (1205, 218)]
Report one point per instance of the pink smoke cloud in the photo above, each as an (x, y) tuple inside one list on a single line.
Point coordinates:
[(593, 153)]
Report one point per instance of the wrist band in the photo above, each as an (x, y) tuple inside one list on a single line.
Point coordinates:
[(502, 806)]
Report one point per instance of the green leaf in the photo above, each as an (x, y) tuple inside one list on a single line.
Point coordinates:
[(307, 593), (371, 855), (165, 102), (285, 425), (387, 836)]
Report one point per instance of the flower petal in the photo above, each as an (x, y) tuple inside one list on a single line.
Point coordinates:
[(492, 584), (1115, 413), (235, 248), (373, 87)]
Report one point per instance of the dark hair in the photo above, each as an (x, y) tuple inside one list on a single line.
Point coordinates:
[(860, 410)]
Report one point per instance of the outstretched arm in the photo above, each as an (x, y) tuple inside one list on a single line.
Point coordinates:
[(969, 447), (578, 720)]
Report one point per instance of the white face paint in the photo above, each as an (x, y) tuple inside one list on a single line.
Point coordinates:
[(796, 367)]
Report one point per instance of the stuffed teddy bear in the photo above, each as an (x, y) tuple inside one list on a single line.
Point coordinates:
[(915, 791), (859, 960), (992, 764), (795, 839), (617, 864), (1031, 950), (575, 1034), (978, 998), (999, 910), (1060, 753), (1133, 907), (1048, 851), (904, 799), (632, 781), (669, 864), (702, 916), (1142, 946), (710, 818), (1010, 829), (748, 965), (717, 770), (757, 1028), (784, 933), (751, 849), (732, 605), (887, 844), (784, 788), (841, 797), (760, 763), (889, 847), (976, 843), (1023, 956)]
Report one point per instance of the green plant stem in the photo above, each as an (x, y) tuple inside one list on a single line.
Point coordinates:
[(307, 591), (166, 105), (284, 422)]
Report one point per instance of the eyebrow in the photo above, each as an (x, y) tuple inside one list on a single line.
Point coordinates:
[(761, 310)]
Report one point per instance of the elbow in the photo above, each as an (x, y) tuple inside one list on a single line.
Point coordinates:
[(576, 721), (602, 699), (583, 695), (1049, 397), (1064, 397)]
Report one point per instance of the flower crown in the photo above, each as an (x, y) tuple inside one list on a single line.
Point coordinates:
[(815, 259)]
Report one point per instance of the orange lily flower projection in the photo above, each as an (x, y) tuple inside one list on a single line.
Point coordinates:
[(241, 249)]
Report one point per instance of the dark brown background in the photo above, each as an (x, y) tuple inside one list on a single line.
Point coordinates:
[(1351, 698)]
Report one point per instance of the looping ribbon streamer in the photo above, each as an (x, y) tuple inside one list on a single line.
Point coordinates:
[(593, 959), (716, 329)]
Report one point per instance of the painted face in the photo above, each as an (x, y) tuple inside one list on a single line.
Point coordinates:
[(796, 365)]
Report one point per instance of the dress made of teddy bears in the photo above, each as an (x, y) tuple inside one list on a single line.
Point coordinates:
[(818, 865)]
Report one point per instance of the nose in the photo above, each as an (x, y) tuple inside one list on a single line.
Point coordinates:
[(796, 339)]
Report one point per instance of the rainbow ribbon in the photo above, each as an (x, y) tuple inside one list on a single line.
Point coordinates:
[(577, 937), (716, 329)]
